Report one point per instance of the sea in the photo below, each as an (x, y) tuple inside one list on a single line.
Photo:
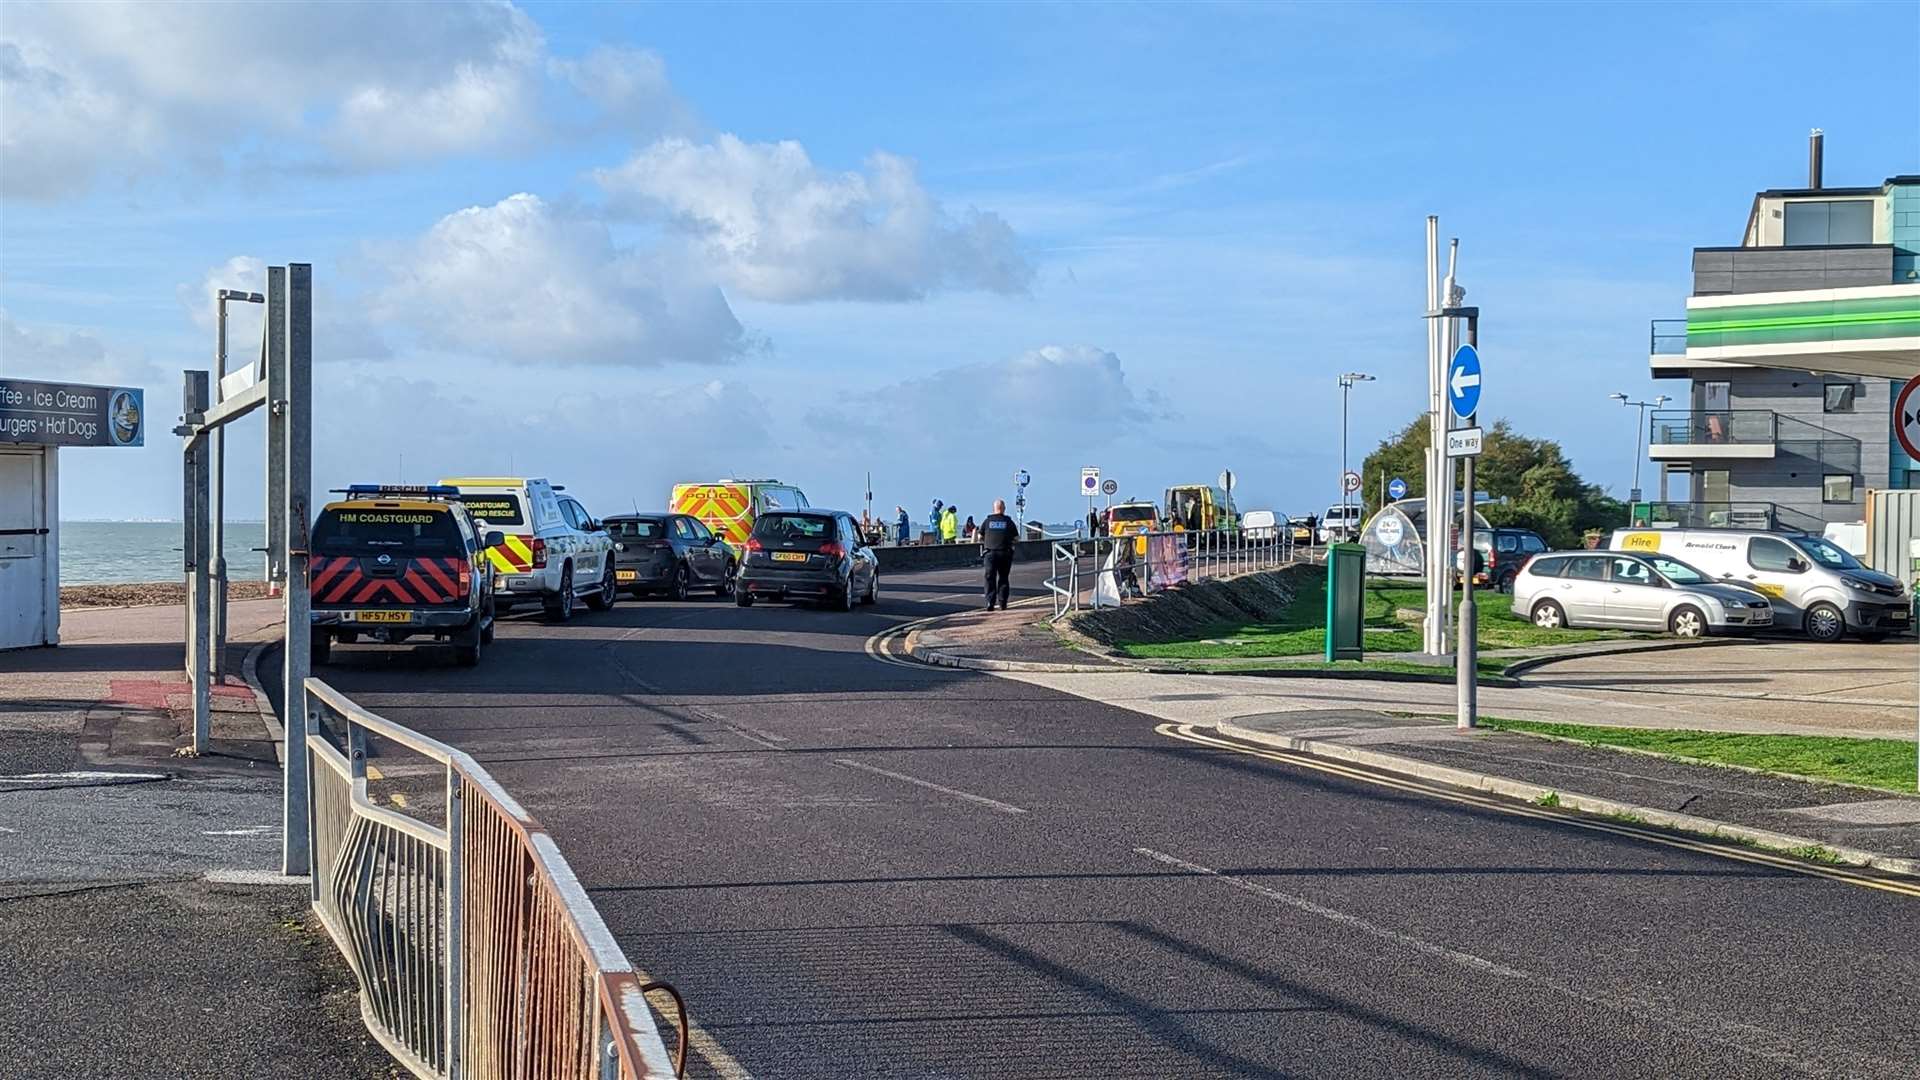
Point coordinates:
[(113, 552)]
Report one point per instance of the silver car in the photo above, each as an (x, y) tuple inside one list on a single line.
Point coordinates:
[(1628, 591)]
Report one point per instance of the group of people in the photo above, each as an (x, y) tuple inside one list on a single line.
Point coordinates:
[(943, 523)]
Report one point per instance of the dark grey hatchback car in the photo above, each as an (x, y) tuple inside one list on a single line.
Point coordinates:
[(812, 555), (671, 554)]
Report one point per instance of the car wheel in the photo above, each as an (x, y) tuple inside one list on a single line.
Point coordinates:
[(320, 648), (560, 605), (603, 598), (466, 644), (742, 598), (725, 587), (1506, 584), (681, 584), (1687, 622), (1548, 615), (1824, 623), (873, 588), (847, 599), (486, 631)]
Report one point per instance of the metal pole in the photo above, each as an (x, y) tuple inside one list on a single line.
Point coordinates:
[(1467, 656), (1437, 482), (217, 450), (297, 455), (200, 645), (1346, 390), (1638, 427)]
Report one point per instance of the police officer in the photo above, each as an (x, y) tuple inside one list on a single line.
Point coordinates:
[(997, 535)]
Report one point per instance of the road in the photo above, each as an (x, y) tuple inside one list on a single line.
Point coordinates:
[(865, 868)]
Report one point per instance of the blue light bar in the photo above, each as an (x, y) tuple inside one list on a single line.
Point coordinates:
[(431, 491)]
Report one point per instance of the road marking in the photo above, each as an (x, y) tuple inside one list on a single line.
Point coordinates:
[(981, 800), (252, 877), (1732, 1036), (251, 830), (1571, 819), (84, 775)]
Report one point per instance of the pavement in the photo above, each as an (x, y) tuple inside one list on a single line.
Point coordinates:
[(143, 926), (853, 862)]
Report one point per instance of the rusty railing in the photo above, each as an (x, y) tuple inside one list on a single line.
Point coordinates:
[(478, 954)]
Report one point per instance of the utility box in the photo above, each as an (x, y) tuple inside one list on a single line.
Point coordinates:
[(1346, 601)]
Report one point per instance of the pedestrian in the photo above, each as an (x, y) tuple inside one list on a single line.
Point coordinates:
[(900, 525), (1093, 524), (970, 530), (933, 520), (949, 525), (997, 535)]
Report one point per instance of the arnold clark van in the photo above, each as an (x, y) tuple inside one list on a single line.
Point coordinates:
[(1815, 585)]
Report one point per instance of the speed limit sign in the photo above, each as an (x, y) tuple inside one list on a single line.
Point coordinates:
[(1350, 482), (1108, 487)]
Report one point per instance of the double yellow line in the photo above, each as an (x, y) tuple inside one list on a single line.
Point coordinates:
[(1570, 818)]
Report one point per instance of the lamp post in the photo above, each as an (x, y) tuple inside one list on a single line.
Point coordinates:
[(1639, 426), (1346, 389)]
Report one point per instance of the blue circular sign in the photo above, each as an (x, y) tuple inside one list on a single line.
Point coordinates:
[(1397, 488), (1463, 382)]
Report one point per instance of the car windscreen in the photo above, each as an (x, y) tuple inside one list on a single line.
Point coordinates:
[(638, 529), (1827, 553), (1133, 513), (499, 509), (1678, 572), (362, 532), (784, 528)]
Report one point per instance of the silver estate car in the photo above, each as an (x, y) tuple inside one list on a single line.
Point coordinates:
[(1628, 591)]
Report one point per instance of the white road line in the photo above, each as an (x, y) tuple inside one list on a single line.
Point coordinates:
[(78, 774), (251, 877), (1735, 1036), (981, 800), (251, 830)]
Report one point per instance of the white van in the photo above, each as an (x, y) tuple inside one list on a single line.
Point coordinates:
[(1340, 524), (1815, 585)]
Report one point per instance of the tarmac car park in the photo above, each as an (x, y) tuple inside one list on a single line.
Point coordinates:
[(554, 552), (812, 555), (669, 554), (393, 563)]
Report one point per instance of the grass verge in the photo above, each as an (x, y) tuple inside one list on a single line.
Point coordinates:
[(1301, 628), (1490, 670), (1881, 763)]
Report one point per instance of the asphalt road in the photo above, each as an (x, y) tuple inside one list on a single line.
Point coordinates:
[(860, 868)]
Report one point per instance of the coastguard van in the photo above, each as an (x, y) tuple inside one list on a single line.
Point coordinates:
[(1816, 586)]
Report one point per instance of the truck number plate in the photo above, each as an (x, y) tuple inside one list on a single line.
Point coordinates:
[(789, 556), (383, 616)]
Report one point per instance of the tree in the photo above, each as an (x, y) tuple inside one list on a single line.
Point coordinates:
[(1531, 481)]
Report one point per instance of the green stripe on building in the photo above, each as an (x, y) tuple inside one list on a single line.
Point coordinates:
[(1808, 321)]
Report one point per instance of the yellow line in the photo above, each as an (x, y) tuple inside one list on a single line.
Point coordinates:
[(1189, 733)]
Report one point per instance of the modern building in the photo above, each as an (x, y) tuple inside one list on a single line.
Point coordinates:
[(1791, 343)]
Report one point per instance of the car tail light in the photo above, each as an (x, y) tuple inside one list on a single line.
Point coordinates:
[(832, 549), (753, 543), (465, 578), (539, 553)]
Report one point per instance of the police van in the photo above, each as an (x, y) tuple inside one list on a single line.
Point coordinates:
[(729, 507), (554, 553), (392, 562)]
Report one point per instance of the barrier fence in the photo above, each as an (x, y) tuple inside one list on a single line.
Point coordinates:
[(1103, 571), (477, 952)]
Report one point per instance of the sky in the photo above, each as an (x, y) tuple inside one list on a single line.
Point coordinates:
[(632, 245)]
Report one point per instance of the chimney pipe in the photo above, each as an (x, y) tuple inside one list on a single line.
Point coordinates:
[(1814, 142)]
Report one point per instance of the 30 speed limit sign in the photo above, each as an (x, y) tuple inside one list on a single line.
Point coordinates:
[(1906, 409)]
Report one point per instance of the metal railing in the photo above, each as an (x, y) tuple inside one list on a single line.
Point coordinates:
[(1728, 515), (1103, 571), (1757, 427), (1668, 337), (477, 952)]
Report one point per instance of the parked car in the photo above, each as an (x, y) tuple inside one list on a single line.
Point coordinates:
[(1816, 586), (1501, 551), (671, 554), (1340, 524), (1259, 525), (1632, 591), (813, 555), (554, 554), (1302, 530)]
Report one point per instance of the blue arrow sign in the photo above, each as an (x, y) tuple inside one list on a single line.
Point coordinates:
[(1463, 382), (1397, 489)]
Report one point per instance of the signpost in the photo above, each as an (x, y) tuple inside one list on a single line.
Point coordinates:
[(1090, 486), (1350, 483), (1397, 489), (71, 414), (1109, 488), (1463, 395), (1464, 442), (1226, 480), (1020, 481), (1906, 415)]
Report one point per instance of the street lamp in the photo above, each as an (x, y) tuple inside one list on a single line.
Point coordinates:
[(1639, 426), (1346, 497)]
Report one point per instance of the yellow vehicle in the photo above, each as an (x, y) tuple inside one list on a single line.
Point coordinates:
[(1133, 519), (1198, 508), (728, 507)]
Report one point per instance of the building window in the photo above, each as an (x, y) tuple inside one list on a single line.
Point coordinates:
[(1837, 489), (1840, 396), (1810, 224), (1714, 486)]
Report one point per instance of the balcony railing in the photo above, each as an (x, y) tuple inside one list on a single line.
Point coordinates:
[(1668, 337), (1727, 515), (1731, 429)]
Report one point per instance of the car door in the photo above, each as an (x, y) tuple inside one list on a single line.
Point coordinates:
[(710, 548), (857, 574), (590, 557), (1582, 589), (1776, 568), (1635, 596), (686, 544)]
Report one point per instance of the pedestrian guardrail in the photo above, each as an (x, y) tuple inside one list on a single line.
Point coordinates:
[(477, 952), (1102, 571)]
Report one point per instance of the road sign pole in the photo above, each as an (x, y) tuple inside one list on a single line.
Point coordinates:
[(1466, 675), (1906, 427)]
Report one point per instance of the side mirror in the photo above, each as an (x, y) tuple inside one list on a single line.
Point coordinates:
[(494, 538)]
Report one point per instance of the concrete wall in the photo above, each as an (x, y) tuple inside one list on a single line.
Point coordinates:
[(1720, 271)]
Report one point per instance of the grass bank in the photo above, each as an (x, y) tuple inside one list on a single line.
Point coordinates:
[(1300, 630), (1881, 763)]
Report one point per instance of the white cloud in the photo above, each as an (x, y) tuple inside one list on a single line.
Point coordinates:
[(776, 227), (342, 329), (53, 354), (629, 87), (132, 88), (525, 280)]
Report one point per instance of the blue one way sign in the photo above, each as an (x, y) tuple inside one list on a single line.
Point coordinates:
[(1463, 382), (1397, 489)]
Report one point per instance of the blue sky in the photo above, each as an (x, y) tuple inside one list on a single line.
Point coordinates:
[(625, 246)]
